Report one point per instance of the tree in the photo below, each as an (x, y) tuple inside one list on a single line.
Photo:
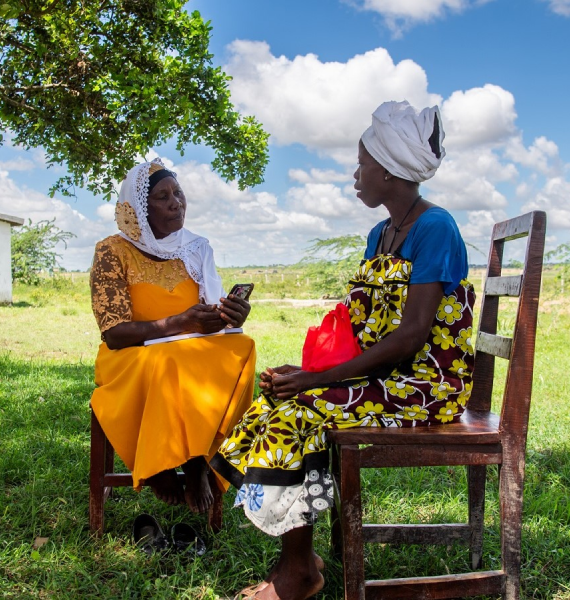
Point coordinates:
[(33, 250), (97, 82), (560, 257), (332, 261)]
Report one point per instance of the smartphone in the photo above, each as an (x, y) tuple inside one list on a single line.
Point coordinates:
[(242, 290)]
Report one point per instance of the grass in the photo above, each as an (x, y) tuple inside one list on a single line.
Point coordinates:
[(48, 342)]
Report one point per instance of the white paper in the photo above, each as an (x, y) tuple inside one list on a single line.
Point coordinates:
[(184, 336)]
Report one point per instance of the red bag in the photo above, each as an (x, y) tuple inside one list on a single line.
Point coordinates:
[(331, 343)]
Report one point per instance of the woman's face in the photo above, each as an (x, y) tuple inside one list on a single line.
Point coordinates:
[(370, 183), (166, 208)]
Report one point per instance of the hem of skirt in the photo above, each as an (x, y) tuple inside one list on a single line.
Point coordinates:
[(279, 476), (226, 470)]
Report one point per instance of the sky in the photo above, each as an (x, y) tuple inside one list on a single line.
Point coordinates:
[(313, 72)]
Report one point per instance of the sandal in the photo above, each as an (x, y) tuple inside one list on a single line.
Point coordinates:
[(185, 539), (148, 535), (248, 592)]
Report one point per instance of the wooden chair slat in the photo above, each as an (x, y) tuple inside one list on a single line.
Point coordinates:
[(497, 345), (445, 586), (420, 533), (503, 286)]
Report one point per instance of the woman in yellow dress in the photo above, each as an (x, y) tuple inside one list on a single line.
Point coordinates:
[(169, 404)]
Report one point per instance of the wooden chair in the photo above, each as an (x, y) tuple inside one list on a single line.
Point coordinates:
[(103, 479), (479, 439)]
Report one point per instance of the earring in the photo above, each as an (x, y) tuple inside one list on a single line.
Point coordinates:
[(386, 178)]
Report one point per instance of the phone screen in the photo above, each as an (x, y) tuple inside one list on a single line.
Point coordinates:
[(242, 290)]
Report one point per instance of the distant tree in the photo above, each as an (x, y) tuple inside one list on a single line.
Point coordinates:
[(33, 250), (560, 256), (96, 83), (514, 264), (332, 261)]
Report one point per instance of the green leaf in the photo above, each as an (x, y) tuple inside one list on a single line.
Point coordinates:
[(95, 91)]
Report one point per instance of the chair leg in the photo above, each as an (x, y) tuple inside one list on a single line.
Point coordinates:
[(511, 482), (215, 512), (336, 530), (476, 477), (96, 474), (351, 523)]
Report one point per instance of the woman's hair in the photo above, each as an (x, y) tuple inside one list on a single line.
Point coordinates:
[(157, 174)]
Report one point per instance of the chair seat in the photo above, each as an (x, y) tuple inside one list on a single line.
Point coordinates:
[(473, 428)]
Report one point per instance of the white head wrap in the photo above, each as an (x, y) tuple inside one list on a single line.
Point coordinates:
[(194, 250), (406, 142)]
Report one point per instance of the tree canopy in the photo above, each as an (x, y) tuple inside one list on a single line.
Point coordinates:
[(96, 83)]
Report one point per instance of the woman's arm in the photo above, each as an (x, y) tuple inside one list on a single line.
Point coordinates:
[(408, 339), (201, 318), (113, 310)]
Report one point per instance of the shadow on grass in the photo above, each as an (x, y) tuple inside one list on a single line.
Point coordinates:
[(44, 466)]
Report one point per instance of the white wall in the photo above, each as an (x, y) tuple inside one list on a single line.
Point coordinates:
[(5, 263)]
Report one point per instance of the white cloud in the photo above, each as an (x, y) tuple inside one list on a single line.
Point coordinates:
[(320, 104), (541, 155), (106, 211), (478, 116), (553, 198), (322, 199), (399, 15), (480, 224), (318, 176), (560, 7), (35, 206), (18, 163)]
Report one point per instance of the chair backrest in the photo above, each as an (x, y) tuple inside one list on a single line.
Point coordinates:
[(518, 350)]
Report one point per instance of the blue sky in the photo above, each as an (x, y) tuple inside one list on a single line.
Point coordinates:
[(313, 71)]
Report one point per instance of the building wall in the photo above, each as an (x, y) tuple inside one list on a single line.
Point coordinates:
[(5, 263)]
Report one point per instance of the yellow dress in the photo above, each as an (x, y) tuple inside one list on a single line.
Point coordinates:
[(162, 404)]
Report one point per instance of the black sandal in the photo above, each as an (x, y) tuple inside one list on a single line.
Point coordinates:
[(148, 535), (185, 539)]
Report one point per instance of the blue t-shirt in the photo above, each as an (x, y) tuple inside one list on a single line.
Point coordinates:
[(433, 245)]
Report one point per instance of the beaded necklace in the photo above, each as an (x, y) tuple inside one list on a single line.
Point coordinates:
[(398, 228)]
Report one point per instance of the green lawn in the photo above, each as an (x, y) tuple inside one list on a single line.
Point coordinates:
[(48, 342)]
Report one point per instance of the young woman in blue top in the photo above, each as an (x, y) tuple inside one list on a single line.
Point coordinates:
[(411, 310)]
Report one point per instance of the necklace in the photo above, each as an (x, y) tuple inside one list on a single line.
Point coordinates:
[(399, 227)]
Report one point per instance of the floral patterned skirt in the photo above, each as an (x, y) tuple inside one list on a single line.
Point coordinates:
[(277, 455)]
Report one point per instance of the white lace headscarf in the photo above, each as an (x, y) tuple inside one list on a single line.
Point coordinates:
[(194, 251), (405, 141)]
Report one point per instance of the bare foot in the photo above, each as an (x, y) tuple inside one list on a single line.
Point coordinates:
[(319, 563), (198, 494), (166, 487), (299, 587), (274, 573)]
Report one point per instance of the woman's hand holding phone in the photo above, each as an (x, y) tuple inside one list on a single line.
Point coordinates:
[(235, 308)]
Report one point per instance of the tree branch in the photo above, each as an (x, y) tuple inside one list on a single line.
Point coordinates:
[(22, 104), (29, 88)]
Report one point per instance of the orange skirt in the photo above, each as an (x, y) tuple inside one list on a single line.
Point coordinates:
[(163, 404)]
